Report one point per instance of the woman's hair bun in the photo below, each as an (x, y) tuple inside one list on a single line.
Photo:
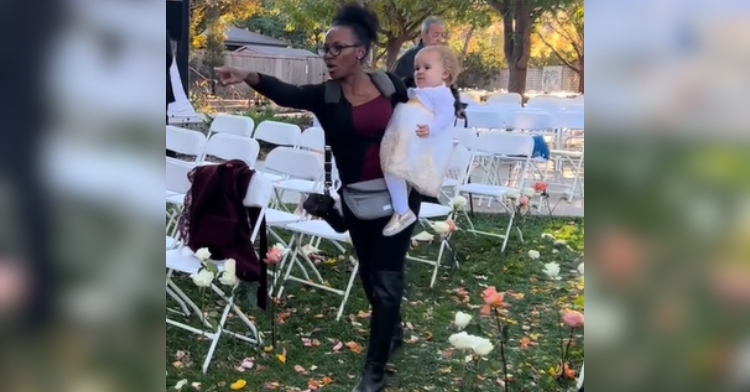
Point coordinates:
[(356, 15)]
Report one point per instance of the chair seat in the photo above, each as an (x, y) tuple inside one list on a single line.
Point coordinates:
[(318, 228), (170, 243), (281, 218), (270, 176), (176, 199), (569, 154), (294, 185), (431, 211), (483, 190), (450, 183), (179, 260)]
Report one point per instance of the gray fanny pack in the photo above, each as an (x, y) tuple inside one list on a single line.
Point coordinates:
[(368, 200)]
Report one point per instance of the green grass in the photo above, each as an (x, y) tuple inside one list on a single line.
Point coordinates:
[(426, 363)]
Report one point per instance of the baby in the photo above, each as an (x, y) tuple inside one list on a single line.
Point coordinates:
[(418, 143)]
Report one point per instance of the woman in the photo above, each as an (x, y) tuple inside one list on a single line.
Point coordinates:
[(355, 122)]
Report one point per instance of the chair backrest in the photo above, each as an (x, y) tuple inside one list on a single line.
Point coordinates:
[(513, 98), (278, 133), (185, 141), (295, 163), (177, 175), (465, 136), (459, 167), (546, 103), (530, 120), (569, 120), (227, 147), (313, 139), (259, 192), (574, 106), (233, 125), (506, 144), (485, 118)]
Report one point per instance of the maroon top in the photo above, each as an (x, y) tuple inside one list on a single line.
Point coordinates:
[(370, 120)]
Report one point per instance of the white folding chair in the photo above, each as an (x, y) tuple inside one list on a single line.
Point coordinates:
[(313, 139), (227, 147), (297, 261), (185, 142), (548, 104), (512, 98), (232, 125), (259, 195), (300, 171), (485, 117), (277, 134), (177, 184), (518, 150)]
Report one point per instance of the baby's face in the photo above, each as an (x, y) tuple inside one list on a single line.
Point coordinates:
[(430, 71)]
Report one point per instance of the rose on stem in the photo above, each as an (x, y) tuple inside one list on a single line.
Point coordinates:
[(575, 321)]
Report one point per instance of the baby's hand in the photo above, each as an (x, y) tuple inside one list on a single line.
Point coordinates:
[(423, 131)]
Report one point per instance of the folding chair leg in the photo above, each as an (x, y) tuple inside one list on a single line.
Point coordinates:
[(348, 291), (507, 233), (180, 302), (438, 264), (217, 335)]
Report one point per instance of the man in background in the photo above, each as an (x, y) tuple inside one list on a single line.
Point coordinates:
[(433, 33), (170, 92)]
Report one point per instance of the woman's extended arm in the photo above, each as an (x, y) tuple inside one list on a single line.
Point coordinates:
[(308, 97)]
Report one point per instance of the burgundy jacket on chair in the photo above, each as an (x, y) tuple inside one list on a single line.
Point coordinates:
[(216, 218)]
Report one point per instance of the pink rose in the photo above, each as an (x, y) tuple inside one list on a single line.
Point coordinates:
[(573, 320), (273, 256)]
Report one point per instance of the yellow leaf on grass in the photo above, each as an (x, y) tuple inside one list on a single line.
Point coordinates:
[(268, 349), (238, 385), (281, 358), (327, 380)]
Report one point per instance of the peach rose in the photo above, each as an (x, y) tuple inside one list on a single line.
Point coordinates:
[(273, 256)]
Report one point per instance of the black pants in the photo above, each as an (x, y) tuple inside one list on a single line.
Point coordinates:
[(381, 270)]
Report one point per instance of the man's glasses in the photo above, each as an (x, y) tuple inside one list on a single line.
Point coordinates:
[(335, 50)]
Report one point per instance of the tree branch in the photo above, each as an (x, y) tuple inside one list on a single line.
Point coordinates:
[(558, 55)]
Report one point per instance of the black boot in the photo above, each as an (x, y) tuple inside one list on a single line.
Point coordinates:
[(386, 309)]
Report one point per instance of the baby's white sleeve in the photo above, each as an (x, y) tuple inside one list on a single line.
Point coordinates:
[(443, 106)]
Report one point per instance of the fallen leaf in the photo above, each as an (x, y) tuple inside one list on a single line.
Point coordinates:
[(196, 386), (327, 380), (354, 347), (181, 384), (238, 385), (281, 358), (338, 347), (300, 370), (271, 385)]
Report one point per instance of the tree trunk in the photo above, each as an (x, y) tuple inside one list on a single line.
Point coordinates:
[(393, 49), (467, 41), (517, 22), (581, 74)]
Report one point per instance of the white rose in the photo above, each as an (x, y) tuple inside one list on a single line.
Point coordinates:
[(513, 194), (529, 192), (534, 254), (462, 341), (203, 254), (548, 236), (308, 250), (230, 266), (203, 278), (483, 347), (228, 279), (459, 202), (581, 269), (281, 248), (560, 243), (552, 270), (462, 320), (423, 237), (441, 227)]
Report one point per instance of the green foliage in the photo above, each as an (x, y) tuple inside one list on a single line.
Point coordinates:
[(270, 21), (480, 66)]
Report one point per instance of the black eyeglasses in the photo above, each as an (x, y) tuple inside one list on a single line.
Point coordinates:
[(335, 50)]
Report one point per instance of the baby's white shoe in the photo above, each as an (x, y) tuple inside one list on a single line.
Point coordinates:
[(399, 223)]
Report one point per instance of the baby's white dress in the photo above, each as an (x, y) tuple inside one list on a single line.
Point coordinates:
[(422, 162)]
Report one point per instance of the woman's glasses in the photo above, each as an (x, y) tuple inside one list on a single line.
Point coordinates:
[(335, 50)]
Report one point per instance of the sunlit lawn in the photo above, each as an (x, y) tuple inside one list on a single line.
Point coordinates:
[(427, 363)]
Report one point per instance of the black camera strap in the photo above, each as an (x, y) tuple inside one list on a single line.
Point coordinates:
[(328, 166)]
